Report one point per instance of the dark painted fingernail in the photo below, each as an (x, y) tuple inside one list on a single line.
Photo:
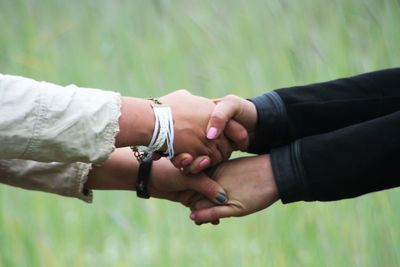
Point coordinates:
[(221, 198), (198, 223)]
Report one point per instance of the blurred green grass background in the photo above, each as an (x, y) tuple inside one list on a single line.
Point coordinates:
[(149, 48)]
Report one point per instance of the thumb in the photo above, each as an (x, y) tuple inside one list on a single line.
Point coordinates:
[(207, 187), (223, 112)]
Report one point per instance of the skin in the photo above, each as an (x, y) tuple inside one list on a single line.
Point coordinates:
[(119, 172), (250, 184), (191, 115), (228, 111)]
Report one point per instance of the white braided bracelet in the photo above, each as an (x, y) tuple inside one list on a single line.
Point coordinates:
[(163, 132)]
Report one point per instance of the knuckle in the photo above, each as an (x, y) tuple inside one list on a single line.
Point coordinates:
[(218, 117), (208, 187), (242, 136), (183, 91), (233, 98), (213, 215)]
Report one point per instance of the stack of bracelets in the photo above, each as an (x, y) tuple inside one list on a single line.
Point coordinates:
[(163, 133)]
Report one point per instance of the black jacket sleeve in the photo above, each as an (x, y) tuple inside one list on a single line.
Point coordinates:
[(288, 114), (345, 163)]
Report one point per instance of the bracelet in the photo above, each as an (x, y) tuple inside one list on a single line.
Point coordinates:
[(163, 133), (143, 178)]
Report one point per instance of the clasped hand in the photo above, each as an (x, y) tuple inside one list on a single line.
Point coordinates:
[(200, 176), (207, 131)]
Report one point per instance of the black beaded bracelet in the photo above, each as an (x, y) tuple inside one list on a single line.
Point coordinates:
[(143, 178)]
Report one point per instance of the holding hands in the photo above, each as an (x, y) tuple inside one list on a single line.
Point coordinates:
[(235, 119), (248, 182), (205, 134), (348, 121), (200, 177)]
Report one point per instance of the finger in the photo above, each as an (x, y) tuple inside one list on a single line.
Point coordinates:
[(182, 160), (202, 204), (222, 113), (207, 187), (225, 148), (237, 134), (197, 165), (217, 153), (211, 214), (186, 197), (196, 198)]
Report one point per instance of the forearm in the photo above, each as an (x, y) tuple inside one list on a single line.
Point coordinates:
[(291, 113), (57, 178), (119, 172), (46, 122), (136, 123), (345, 163), (165, 181)]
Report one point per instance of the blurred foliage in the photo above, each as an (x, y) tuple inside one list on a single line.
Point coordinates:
[(211, 47)]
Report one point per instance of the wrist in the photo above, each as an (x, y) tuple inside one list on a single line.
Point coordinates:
[(136, 122), (271, 189), (119, 172), (250, 111)]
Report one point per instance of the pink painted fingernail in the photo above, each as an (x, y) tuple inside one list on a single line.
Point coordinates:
[(192, 216), (212, 133), (204, 163), (185, 162)]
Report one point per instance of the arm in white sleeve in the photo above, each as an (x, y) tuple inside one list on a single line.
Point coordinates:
[(45, 122), (57, 178)]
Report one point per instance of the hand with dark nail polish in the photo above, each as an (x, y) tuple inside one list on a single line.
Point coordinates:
[(250, 185)]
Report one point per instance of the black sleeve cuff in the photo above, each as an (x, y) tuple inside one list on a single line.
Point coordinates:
[(289, 173), (272, 129)]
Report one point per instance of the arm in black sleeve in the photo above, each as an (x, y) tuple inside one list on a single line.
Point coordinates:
[(288, 114), (345, 163)]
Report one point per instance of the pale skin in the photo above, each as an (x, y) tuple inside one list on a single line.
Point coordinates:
[(119, 172), (228, 109), (249, 183), (191, 115), (136, 123), (247, 194)]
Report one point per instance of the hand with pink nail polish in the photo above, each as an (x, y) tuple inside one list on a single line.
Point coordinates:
[(194, 151), (233, 118), (191, 114), (228, 111)]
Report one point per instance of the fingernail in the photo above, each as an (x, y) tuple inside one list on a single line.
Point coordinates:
[(192, 216), (204, 163), (221, 198), (212, 133), (185, 162)]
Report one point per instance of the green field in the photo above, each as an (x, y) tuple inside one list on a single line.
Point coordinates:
[(212, 48)]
